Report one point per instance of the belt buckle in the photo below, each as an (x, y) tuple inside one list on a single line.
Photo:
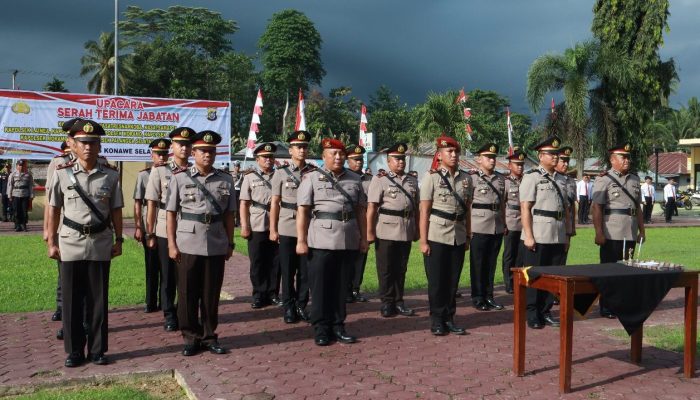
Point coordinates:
[(456, 218), (87, 229), (560, 215), (406, 213), (494, 207), (633, 212), (344, 215), (207, 218)]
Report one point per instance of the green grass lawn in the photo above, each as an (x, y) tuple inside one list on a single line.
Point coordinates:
[(28, 277), (666, 337)]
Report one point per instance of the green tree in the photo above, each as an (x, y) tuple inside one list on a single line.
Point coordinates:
[(439, 114), (633, 29), (290, 51), (489, 120), (98, 64), (55, 85), (338, 113), (388, 118)]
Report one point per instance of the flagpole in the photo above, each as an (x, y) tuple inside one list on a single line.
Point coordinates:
[(116, 46)]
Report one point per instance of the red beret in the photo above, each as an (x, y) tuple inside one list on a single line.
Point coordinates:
[(446, 141), (330, 143)]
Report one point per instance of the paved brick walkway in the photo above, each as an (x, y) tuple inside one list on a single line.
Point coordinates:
[(395, 358)]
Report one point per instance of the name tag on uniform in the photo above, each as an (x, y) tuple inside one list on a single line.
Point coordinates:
[(70, 187), (190, 186)]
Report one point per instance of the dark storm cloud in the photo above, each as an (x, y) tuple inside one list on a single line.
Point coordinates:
[(412, 46)]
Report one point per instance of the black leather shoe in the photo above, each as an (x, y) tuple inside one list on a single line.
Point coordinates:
[(359, 297), (170, 326), (150, 309), (99, 359), (190, 350), (454, 329), (550, 321), (290, 316), (344, 337), (303, 315), (257, 303), (510, 291), (438, 330), (481, 305), (276, 301), (555, 301), (74, 360), (215, 348), (458, 294), (350, 298), (388, 310), (608, 315), (59, 334), (322, 340), (534, 325), (405, 311), (57, 315), (492, 304)]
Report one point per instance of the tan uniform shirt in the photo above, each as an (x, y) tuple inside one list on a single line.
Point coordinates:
[(51, 168), (258, 189), (157, 190), (571, 198), (103, 189), (433, 189), (513, 222), (387, 195), (140, 193), (491, 221), (318, 192), (610, 196), (20, 184), (195, 237), (537, 189), (285, 186)]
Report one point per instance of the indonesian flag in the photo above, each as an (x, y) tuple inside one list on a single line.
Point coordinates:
[(462, 98), (363, 124), (552, 106), (510, 132), (254, 122), (467, 113), (301, 119)]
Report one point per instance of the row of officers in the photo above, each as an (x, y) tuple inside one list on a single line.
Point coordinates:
[(318, 223)]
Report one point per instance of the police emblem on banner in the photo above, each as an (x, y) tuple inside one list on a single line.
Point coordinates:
[(211, 114)]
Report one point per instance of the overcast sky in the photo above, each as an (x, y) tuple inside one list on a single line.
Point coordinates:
[(413, 46)]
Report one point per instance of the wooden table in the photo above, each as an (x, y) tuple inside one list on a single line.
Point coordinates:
[(566, 287)]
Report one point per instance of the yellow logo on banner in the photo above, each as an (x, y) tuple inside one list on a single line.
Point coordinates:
[(20, 108)]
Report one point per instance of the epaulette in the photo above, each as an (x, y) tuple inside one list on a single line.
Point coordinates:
[(65, 165), (471, 171), (413, 174), (432, 171), (532, 170), (145, 169), (179, 171), (285, 165), (381, 173), (248, 171), (110, 166), (312, 166), (158, 165), (603, 173)]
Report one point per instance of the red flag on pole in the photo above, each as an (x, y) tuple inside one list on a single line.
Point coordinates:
[(301, 119), (510, 132), (363, 125), (254, 122), (462, 98), (552, 106)]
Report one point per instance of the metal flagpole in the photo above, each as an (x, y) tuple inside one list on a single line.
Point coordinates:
[(116, 45)]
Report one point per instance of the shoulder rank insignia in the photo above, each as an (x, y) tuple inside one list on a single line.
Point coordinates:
[(65, 165)]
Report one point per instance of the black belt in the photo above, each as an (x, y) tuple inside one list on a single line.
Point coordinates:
[(85, 229), (512, 207), (397, 213), (344, 216), (484, 206), (624, 211), (264, 206), (558, 215), (289, 206), (22, 186), (447, 215), (203, 218), (161, 206)]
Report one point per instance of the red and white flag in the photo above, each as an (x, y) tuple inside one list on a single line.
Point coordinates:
[(363, 124), (254, 122), (552, 106), (462, 98), (301, 119), (510, 132)]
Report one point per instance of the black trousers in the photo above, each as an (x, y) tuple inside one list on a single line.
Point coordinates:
[(357, 271), (482, 264), (85, 289), (583, 208), (442, 268), (512, 257), (392, 262), (539, 302), (20, 205), (670, 208), (648, 207), (59, 294), (612, 251), (295, 273), (328, 281), (6, 212), (168, 281), (198, 289), (263, 266), (153, 277)]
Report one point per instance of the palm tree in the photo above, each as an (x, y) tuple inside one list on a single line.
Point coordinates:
[(98, 63), (439, 114)]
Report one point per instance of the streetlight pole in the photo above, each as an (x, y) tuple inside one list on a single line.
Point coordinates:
[(14, 77), (656, 175)]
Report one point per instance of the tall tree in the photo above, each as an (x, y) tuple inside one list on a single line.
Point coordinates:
[(98, 64), (633, 29), (388, 119), (291, 59), (55, 85), (489, 120), (439, 114)]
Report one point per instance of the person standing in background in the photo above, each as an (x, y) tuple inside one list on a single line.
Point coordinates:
[(670, 197), (512, 256), (584, 189), (648, 196), (20, 187), (355, 157)]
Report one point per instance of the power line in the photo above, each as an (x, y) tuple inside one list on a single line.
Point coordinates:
[(40, 73)]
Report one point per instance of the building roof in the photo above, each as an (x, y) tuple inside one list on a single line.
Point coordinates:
[(675, 163)]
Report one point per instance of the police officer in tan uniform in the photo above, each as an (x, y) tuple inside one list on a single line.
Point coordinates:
[(512, 257), (445, 229), (355, 156), (159, 155), (392, 224), (90, 235), (20, 188), (201, 204), (331, 218), (544, 215), (617, 215), (283, 228), (563, 169), (488, 225), (156, 234), (4, 176), (256, 194)]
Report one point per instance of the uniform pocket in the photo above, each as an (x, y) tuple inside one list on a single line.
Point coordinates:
[(438, 220), (325, 223), (185, 226)]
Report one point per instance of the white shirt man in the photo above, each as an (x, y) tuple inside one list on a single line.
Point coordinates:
[(670, 197)]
